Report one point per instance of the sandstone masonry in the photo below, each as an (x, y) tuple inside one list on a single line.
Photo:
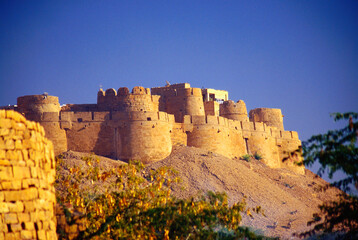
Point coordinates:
[(145, 123), (27, 174)]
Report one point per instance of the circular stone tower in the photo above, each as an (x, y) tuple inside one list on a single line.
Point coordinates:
[(270, 116), (45, 110), (235, 111), (34, 106)]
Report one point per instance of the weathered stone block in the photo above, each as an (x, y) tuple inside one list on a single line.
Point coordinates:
[(9, 144), (21, 172), (26, 234), (10, 218), (5, 123), (19, 126), (29, 206), (2, 161), (12, 236), (24, 217), (25, 154), (33, 171), (16, 207), (2, 143), (4, 208), (18, 144), (41, 235), (6, 173), (12, 155), (29, 225), (4, 132), (11, 185), (26, 194), (16, 227)]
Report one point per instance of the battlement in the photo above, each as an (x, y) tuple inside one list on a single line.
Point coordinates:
[(140, 99), (145, 123), (177, 92), (79, 117), (251, 127)]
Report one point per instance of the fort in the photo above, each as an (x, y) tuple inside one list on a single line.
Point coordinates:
[(145, 124)]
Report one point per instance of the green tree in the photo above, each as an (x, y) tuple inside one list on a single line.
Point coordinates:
[(336, 150), (135, 203)]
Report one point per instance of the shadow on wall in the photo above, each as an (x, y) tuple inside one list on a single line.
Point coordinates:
[(91, 134)]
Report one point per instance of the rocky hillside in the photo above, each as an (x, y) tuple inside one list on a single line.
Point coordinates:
[(288, 199)]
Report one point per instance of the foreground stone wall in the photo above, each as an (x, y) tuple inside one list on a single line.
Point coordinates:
[(27, 174)]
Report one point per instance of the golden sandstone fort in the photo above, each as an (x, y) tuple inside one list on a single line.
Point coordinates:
[(145, 124)]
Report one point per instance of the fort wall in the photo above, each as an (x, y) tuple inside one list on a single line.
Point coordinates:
[(145, 123), (216, 134), (234, 139), (120, 135), (27, 173)]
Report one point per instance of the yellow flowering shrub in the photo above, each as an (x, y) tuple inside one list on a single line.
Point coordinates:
[(134, 203)]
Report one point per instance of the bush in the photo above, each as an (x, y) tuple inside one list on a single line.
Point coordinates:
[(246, 157), (257, 156), (137, 205)]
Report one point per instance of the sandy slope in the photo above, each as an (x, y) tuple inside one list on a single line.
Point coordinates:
[(288, 199)]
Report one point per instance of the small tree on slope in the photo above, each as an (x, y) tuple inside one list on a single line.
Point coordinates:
[(336, 150)]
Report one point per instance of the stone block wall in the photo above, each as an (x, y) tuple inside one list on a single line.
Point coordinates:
[(27, 174)]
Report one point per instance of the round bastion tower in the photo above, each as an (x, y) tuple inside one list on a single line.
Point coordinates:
[(34, 106), (140, 131), (235, 111), (270, 116), (45, 109)]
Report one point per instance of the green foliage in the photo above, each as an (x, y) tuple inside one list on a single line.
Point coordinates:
[(336, 150), (257, 156), (246, 157), (136, 204)]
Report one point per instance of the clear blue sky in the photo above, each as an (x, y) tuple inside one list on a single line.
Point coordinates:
[(300, 56)]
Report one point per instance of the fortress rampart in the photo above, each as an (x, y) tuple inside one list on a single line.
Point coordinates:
[(145, 123)]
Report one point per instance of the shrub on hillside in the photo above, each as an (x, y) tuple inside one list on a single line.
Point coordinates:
[(137, 205)]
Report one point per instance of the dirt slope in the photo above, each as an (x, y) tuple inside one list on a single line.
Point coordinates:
[(288, 199)]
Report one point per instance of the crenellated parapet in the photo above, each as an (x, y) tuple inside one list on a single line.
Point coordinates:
[(145, 124), (140, 99), (235, 111)]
